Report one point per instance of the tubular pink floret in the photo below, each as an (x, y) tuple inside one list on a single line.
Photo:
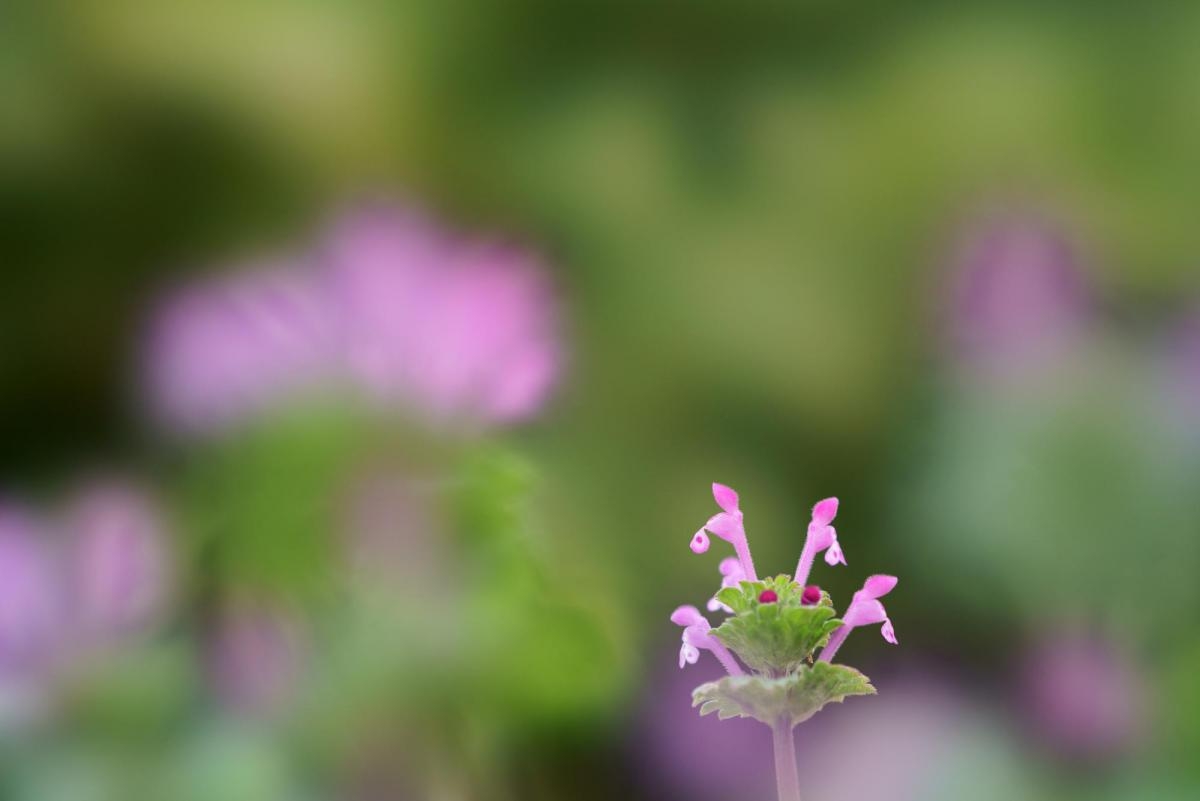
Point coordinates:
[(864, 610), (697, 637), (821, 536), (727, 524), (731, 575)]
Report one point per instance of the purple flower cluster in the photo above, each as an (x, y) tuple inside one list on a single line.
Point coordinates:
[(865, 608), (1019, 298), (388, 305), (96, 575)]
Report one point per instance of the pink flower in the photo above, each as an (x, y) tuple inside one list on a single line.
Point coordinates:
[(731, 576), (31, 596), (119, 559), (727, 524), (225, 349), (865, 610), (821, 536), (697, 637), (1083, 695), (257, 656), (1019, 295), (452, 329)]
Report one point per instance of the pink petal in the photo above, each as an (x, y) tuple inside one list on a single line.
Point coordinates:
[(864, 613), (725, 526), (824, 512), (889, 633), (821, 536), (688, 655), (878, 586), (699, 542), (687, 616), (725, 497), (731, 566), (834, 555)]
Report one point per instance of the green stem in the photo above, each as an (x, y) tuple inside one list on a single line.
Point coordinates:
[(785, 760)]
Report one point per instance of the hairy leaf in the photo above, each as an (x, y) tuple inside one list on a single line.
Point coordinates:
[(796, 697), (779, 636)]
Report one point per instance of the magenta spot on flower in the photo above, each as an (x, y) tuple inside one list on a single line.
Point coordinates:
[(768, 597), (811, 596)]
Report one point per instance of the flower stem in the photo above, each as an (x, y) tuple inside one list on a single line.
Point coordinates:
[(726, 659), (742, 549), (785, 760), (804, 566), (835, 642)]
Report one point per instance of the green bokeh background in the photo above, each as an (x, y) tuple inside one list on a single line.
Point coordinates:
[(747, 207)]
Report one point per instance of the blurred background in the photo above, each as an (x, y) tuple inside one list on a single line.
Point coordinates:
[(364, 368)]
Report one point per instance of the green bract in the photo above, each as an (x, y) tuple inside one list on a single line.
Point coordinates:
[(778, 637), (795, 697)]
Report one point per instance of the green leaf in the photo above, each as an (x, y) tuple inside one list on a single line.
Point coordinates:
[(776, 637), (796, 697)]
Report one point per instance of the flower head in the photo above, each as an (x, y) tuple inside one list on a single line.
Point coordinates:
[(451, 328), (448, 328)]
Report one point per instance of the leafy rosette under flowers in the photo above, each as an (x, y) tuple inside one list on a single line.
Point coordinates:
[(776, 638), (795, 697)]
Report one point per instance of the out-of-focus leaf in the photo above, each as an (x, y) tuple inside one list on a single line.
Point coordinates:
[(263, 504)]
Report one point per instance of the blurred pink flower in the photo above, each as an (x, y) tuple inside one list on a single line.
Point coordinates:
[(118, 560), (1083, 695), (226, 348), (257, 654), (454, 329), (392, 527), (1018, 293), (31, 595)]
